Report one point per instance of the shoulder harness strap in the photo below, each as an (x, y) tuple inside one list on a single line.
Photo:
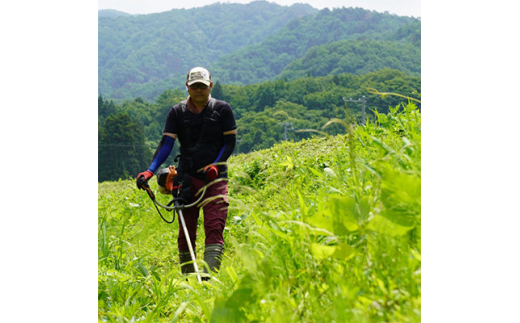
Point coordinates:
[(186, 121)]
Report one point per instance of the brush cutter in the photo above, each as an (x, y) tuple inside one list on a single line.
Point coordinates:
[(179, 187)]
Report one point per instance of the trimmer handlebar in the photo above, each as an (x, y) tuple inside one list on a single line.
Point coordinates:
[(176, 205)]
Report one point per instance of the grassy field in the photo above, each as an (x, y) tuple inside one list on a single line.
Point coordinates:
[(323, 230)]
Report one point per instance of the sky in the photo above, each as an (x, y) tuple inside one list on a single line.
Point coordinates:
[(398, 7)]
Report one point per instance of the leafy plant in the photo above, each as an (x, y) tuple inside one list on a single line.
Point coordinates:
[(322, 230)]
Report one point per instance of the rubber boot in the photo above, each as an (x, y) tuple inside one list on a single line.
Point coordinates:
[(213, 257), (185, 256)]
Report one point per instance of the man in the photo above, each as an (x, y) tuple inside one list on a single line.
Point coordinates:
[(206, 130)]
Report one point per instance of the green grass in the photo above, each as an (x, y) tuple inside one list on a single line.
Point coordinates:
[(323, 230)]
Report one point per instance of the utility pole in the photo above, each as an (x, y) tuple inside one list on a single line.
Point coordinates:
[(286, 124), (363, 101)]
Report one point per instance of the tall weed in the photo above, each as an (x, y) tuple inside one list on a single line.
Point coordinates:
[(323, 230)]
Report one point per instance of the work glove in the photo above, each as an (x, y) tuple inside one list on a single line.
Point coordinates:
[(143, 178), (211, 172)]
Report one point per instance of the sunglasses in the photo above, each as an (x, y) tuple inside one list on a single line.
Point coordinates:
[(196, 86)]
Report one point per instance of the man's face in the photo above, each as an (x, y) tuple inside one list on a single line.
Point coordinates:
[(199, 92)]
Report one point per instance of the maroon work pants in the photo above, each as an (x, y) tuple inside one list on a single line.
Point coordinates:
[(215, 214)]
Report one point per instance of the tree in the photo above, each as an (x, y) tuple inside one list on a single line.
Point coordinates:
[(265, 96), (170, 98), (105, 108), (217, 92), (122, 152)]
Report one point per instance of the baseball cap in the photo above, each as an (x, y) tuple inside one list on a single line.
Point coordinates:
[(198, 74)]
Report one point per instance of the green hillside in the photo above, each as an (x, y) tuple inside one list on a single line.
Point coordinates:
[(324, 230), (355, 57), (143, 55), (264, 61)]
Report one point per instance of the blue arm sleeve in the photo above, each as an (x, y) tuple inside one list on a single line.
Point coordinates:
[(220, 154), (164, 152), (227, 148)]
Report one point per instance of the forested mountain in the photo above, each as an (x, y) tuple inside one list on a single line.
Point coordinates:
[(355, 57), (143, 55), (282, 69), (264, 61)]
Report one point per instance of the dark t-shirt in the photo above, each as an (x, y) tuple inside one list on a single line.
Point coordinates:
[(220, 121)]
